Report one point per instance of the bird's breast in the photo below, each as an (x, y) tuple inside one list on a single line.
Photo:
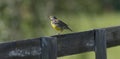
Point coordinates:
[(56, 27)]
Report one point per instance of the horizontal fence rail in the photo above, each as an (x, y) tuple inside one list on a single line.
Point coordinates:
[(57, 45), (84, 41)]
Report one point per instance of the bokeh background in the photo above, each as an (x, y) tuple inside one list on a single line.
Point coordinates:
[(24, 19)]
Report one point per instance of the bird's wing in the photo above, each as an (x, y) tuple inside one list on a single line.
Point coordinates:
[(65, 26), (62, 23)]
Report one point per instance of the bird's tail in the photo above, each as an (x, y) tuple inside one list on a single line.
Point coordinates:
[(70, 29)]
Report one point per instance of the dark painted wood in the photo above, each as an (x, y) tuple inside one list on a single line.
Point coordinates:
[(75, 43), (67, 44), (49, 48), (24, 49), (100, 44)]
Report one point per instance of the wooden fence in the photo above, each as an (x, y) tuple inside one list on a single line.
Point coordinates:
[(96, 40)]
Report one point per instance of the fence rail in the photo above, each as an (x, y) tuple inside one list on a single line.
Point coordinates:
[(61, 45)]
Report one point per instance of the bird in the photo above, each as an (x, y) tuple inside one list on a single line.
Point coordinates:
[(58, 24)]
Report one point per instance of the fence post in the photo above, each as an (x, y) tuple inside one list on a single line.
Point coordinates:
[(49, 48), (100, 44)]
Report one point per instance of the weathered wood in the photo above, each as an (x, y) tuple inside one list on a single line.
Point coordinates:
[(68, 44), (24, 49), (100, 44), (49, 48), (40, 48), (74, 43)]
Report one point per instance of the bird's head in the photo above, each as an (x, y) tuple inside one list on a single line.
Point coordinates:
[(52, 17)]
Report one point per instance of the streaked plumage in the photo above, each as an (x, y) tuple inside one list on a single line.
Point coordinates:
[(58, 24)]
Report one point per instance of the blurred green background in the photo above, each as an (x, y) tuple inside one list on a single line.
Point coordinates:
[(24, 19)]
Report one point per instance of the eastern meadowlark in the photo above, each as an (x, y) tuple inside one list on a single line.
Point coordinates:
[(58, 24)]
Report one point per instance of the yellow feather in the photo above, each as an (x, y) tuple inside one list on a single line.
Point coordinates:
[(55, 27)]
